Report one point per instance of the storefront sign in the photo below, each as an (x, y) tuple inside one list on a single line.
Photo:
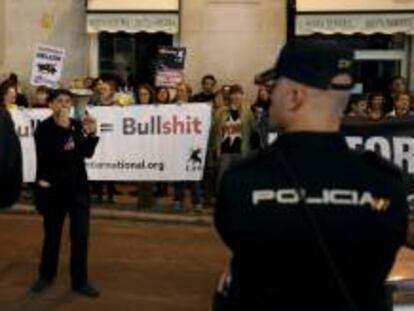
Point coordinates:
[(308, 24), (133, 22)]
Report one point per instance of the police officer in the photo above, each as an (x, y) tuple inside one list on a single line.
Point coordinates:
[(312, 225), (10, 161), (62, 144)]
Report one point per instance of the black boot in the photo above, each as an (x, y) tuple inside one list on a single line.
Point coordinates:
[(40, 285), (86, 290)]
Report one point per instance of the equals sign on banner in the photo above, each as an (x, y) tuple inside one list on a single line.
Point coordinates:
[(106, 127)]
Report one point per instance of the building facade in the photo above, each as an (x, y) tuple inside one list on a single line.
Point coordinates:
[(232, 39)]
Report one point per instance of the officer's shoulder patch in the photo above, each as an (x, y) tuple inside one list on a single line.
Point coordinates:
[(376, 160)]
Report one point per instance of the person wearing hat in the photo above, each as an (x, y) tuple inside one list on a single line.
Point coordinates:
[(61, 188), (311, 224)]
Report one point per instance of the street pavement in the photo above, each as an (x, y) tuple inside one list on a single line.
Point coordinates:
[(138, 265)]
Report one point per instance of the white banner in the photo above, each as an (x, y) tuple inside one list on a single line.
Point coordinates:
[(47, 66), (137, 143), (26, 121)]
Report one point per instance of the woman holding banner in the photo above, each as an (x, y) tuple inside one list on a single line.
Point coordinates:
[(162, 97), (8, 96), (144, 95), (232, 128), (183, 94)]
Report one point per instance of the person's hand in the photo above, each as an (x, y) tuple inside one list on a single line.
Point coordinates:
[(44, 184), (89, 124)]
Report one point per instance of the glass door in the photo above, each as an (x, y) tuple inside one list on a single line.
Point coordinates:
[(375, 69), (131, 57)]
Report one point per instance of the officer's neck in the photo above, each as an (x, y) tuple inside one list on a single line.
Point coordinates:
[(314, 126)]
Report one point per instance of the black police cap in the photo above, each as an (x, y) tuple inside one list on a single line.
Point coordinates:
[(312, 63)]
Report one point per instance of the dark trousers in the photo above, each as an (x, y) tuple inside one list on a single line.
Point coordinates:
[(196, 190), (161, 189), (98, 189), (54, 216)]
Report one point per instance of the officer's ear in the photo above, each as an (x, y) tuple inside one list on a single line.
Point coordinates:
[(297, 97)]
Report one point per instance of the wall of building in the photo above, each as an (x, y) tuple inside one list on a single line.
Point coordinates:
[(3, 30), (410, 65), (232, 39), (59, 23)]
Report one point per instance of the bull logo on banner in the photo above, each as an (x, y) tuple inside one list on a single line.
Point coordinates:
[(195, 162)]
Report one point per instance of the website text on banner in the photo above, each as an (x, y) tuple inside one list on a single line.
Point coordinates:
[(138, 143)]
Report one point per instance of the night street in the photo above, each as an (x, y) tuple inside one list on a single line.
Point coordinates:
[(136, 265)]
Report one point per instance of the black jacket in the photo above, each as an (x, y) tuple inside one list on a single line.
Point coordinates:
[(359, 204), (202, 98), (10, 161), (61, 153)]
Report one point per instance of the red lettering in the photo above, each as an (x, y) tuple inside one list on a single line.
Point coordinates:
[(178, 126), (166, 128), (181, 126), (197, 125)]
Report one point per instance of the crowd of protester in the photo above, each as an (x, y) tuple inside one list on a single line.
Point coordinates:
[(238, 126), (394, 102)]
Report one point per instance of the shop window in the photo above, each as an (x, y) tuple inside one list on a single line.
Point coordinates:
[(379, 58), (376, 75), (131, 57), (364, 42)]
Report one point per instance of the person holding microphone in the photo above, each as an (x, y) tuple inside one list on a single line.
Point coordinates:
[(61, 188)]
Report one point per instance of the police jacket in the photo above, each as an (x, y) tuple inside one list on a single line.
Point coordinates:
[(61, 153), (10, 161), (358, 202)]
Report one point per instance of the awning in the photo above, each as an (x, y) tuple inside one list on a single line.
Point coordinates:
[(309, 23), (133, 16), (133, 22)]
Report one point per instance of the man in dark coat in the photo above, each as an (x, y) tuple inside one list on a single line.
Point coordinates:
[(62, 144), (311, 224)]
